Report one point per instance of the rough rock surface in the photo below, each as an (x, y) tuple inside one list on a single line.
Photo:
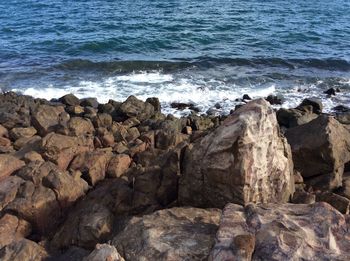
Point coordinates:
[(104, 252), (23, 250), (171, 234), (9, 164), (282, 232), (320, 149), (12, 229), (46, 118), (246, 159)]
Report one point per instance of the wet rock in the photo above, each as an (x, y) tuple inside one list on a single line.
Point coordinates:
[(93, 165), (274, 100), (282, 232), (171, 234), (79, 126), (316, 104), (320, 149), (12, 229), (155, 103), (61, 149), (8, 165), (104, 252), (23, 250), (46, 118), (69, 100), (134, 107), (224, 166), (187, 130), (118, 165), (17, 133), (89, 102), (330, 91)]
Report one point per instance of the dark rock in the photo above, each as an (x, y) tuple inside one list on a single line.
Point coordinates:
[(341, 108), (338, 202), (246, 97), (13, 229), (316, 104), (23, 250), (17, 133), (89, 102), (330, 91), (69, 100), (320, 149), (294, 117), (78, 126), (134, 107), (155, 102), (46, 118), (274, 100), (118, 165)]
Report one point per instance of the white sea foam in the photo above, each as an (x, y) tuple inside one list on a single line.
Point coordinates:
[(179, 88)]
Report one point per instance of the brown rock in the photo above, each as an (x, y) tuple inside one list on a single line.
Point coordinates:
[(93, 165), (295, 117), (78, 126), (17, 133), (246, 159), (32, 156), (171, 234), (8, 165), (61, 149), (69, 99), (23, 250), (282, 232), (118, 165), (4, 142), (134, 107), (12, 229), (320, 149), (102, 120), (104, 252), (46, 118), (8, 190), (133, 134), (25, 145), (3, 131)]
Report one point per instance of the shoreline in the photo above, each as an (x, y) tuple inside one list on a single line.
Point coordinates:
[(80, 180)]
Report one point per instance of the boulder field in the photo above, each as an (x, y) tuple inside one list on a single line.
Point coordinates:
[(80, 180)]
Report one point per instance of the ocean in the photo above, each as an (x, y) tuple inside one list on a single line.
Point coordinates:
[(196, 51)]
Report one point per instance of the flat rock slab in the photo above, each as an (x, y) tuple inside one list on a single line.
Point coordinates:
[(171, 234), (282, 232)]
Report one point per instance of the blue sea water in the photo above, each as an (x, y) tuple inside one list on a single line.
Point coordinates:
[(199, 51)]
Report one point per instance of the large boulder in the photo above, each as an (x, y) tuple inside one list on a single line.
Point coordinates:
[(61, 149), (246, 159), (282, 232), (46, 118), (171, 234), (320, 149), (8, 165)]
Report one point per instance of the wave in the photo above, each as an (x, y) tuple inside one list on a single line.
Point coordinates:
[(122, 66)]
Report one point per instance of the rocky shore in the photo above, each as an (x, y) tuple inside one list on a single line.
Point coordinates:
[(81, 180)]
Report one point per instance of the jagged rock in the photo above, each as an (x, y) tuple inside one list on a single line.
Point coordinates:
[(118, 165), (61, 149), (17, 133), (246, 159), (4, 142), (282, 232), (246, 97), (79, 126), (69, 100), (320, 149), (12, 229), (104, 252), (93, 165), (46, 118), (8, 165), (171, 234), (23, 250), (134, 107)]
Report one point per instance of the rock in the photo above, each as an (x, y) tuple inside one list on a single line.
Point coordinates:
[(61, 149), (93, 165), (187, 130), (303, 197), (17, 133), (75, 110), (274, 100), (118, 165), (12, 229), (25, 145), (89, 102), (104, 252), (86, 225), (3, 131), (46, 118), (4, 142), (320, 149), (282, 232), (133, 134), (341, 108), (294, 117), (32, 156), (224, 166), (69, 100), (102, 120), (79, 126), (316, 104), (71, 254), (344, 118), (338, 202), (330, 91), (8, 165), (131, 122), (171, 234), (246, 97), (345, 189), (8, 190), (155, 103), (134, 107), (23, 250), (180, 105)]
